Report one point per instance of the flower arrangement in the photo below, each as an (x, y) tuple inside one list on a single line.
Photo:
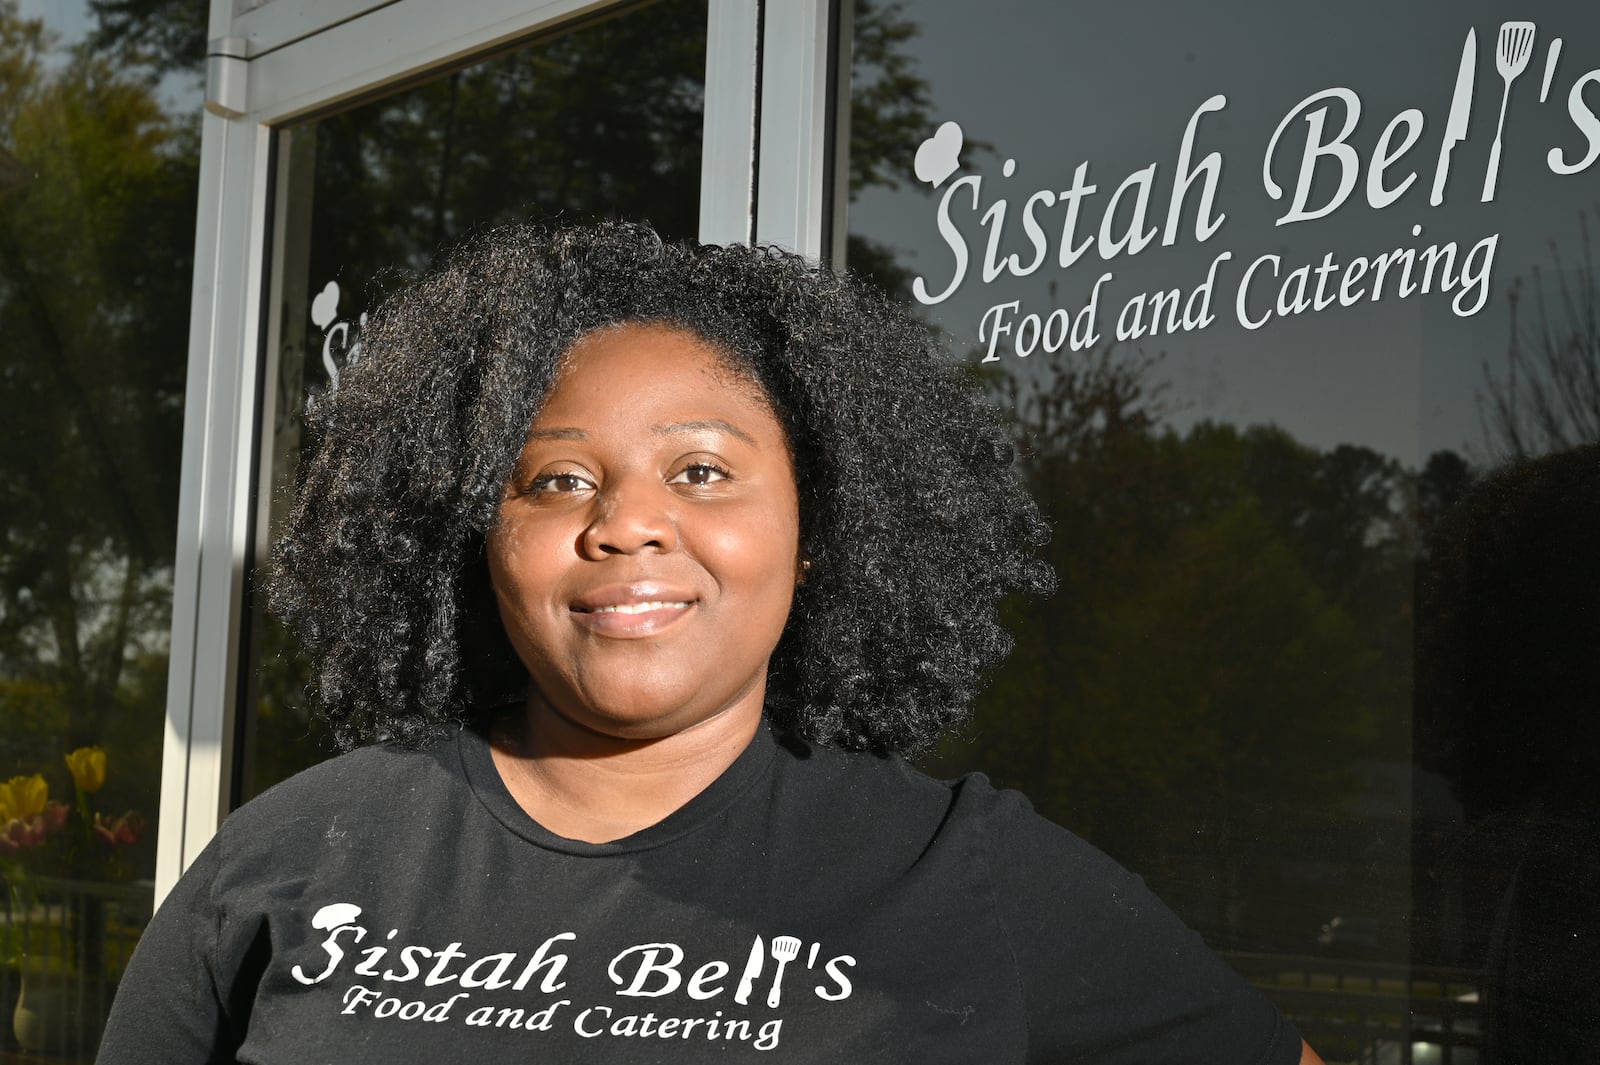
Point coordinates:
[(37, 838), (54, 934), (88, 768)]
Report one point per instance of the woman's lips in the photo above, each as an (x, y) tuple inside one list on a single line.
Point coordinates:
[(632, 618)]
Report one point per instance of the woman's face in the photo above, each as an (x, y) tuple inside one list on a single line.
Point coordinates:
[(646, 552)]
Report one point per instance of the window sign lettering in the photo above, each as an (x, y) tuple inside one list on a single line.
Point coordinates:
[(1309, 168)]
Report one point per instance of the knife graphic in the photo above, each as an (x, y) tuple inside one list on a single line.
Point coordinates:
[(1455, 127), (752, 969)]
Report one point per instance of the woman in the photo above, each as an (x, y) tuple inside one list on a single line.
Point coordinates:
[(644, 563)]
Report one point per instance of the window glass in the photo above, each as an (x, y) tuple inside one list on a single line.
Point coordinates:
[(602, 121), (99, 150), (1293, 310)]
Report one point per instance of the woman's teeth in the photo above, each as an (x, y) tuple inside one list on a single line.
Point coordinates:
[(638, 608)]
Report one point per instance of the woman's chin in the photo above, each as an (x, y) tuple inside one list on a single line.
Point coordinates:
[(617, 725)]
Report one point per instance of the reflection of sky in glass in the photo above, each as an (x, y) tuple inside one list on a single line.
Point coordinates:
[(1052, 86), (70, 18), (71, 22)]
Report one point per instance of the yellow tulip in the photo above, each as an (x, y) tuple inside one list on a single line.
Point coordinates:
[(88, 767), (23, 797)]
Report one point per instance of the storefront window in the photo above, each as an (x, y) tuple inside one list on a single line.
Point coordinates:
[(1294, 313), (99, 152), (603, 121)]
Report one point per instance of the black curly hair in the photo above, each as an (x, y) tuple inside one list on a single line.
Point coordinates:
[(911, 516)]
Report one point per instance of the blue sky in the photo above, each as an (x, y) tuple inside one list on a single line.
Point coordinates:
[(70, 18)]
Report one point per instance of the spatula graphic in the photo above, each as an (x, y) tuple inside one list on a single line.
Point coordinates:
[(785, 949), (1510, 59)]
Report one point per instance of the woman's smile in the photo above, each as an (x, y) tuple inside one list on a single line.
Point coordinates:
[(631, 611)]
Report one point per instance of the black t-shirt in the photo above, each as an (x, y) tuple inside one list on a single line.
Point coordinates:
[(809, 906)]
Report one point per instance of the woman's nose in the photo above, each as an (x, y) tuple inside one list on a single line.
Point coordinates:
[(630, 518)]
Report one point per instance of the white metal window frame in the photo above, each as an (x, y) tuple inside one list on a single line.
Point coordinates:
[(284, 59)]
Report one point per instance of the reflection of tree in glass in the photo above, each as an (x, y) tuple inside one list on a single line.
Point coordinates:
[(166, 34), (1549, 398), (889, 117), (1225, 669), (601, 121), (96, 231)]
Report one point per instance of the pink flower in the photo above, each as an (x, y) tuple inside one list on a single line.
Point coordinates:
[(25, 833), (124, 829)]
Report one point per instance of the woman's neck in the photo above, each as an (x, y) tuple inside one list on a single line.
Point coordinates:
[(589, 786)]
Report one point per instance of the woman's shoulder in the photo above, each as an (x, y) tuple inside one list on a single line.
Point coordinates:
[(375, 783), (1060, 908), (856, 774), (866, 793)]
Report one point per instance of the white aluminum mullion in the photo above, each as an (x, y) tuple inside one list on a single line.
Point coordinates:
[(214, 491), (728, 146), (794, 126), (280, 23)]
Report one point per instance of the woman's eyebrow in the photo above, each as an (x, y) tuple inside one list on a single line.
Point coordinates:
[(710, 424), (557, 434)]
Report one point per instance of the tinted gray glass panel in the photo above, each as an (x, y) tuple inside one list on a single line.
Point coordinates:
[(1305, 372)]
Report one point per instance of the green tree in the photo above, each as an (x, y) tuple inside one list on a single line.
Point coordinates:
[(96, 228), (165, 35)]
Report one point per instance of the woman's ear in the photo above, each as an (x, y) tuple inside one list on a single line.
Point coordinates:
[(802, 567)]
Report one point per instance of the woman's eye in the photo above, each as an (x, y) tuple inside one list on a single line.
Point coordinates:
[(698, 474), (557, 483)]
